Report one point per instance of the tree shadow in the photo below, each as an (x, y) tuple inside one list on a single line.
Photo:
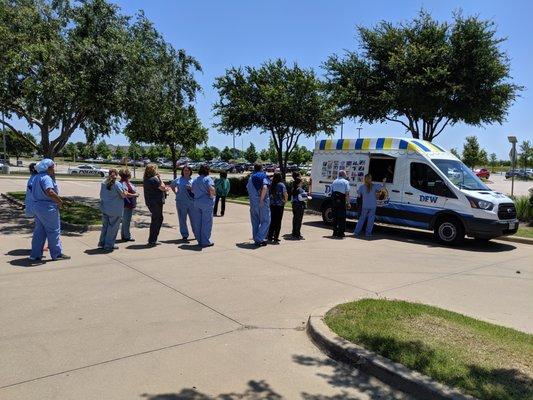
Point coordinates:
[(256, 390), (426, 238)]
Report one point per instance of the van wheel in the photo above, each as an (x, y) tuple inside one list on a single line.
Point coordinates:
[(449, 231), (327, 214), (102, 174)]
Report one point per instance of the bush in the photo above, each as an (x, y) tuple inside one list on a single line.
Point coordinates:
[(524, 208)]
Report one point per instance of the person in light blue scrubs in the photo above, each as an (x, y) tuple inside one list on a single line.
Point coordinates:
[(368, 191), (46, 210), (203, 189), (112, 194), (257, 187), (28, 200), (182, 187)]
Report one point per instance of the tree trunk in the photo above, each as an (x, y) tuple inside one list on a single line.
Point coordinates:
[(48, 151), (174, 159)]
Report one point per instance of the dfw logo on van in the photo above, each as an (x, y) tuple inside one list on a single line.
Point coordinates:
[(428, 199)]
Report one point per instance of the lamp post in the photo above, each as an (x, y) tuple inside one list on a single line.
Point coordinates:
[(512, 155), (359, 132)]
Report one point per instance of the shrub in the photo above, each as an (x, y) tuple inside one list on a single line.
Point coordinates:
[(524, 208)]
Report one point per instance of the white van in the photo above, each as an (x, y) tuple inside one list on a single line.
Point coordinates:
[(427, 187)]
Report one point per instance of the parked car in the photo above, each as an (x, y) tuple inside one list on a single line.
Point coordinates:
[(482, 173), (87, 170), (517, 173)]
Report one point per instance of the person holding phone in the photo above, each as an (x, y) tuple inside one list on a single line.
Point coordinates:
[(46, 204), (155, 193)]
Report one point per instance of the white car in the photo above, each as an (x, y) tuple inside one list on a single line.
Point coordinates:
[(87, 170)]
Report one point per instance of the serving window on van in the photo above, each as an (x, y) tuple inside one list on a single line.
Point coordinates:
[(382, 167), (425, 179)]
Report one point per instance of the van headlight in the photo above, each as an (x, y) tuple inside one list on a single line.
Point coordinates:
[(481, 204)]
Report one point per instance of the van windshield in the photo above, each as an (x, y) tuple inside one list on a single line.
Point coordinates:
[(460, 175)]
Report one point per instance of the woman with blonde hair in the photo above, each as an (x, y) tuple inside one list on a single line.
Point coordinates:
[(368, 193), (112, 194), (130, 202), (155, 193)]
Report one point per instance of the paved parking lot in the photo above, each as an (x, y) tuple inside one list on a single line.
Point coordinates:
[(173, 322)]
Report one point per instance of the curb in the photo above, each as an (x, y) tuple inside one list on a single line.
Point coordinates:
[(392, 373), (515, 239), (64, 225)]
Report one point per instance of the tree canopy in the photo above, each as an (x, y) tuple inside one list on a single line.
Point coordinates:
[(284, 101), (424, 75), (251, 154), (63, 67)]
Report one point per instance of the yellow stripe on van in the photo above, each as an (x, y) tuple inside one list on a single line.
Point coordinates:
[(330, 145), (411, 147), (433, 148), (388, 144), (366, 144), (347, 144)]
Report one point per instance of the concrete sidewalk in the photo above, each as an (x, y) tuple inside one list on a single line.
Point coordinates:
[(173, 322)]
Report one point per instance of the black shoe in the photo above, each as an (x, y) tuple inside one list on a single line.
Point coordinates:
[(263, 244), (151, 244), (62, 257)]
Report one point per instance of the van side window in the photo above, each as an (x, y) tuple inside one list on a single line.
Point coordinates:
[(424, 178), (382, 168)]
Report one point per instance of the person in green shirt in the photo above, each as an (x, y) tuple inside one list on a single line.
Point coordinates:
[(222, 186)]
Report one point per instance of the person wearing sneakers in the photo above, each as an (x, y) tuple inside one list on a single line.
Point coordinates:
[(46, 204)]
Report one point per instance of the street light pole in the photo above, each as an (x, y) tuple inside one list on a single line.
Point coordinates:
[(234, 158), (512, 154), (359, 132), (342, 128)]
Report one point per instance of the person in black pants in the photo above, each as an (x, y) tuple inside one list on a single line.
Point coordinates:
[(155, 193), (299, 198), (278, 198), (340, 196)]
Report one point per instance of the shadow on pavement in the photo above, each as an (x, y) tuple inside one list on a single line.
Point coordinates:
[(191, 247), (26, 262), (19, 252), (247, 246), (140, 246), (96, 251), (419, 237), (176, 241), (257, 390)]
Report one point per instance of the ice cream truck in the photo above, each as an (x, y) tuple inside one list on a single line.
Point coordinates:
[(426, 187)]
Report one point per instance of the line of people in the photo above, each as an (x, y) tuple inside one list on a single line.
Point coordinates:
[(196, 201)]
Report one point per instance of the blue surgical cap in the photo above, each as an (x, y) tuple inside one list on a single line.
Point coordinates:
[(43, 165)]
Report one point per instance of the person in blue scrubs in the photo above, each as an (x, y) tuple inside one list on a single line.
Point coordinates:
[(182, 187), (203, 189), (258, 188), (28, 200), (112, 194), (368, 192), (46, 210)]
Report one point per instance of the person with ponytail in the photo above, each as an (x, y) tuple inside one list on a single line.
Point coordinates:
[(368, 193), (299, 198), (278, 198)]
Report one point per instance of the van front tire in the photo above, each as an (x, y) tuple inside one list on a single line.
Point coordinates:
[(449, 231)]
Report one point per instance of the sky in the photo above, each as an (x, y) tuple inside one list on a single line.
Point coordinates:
[(222, 34)]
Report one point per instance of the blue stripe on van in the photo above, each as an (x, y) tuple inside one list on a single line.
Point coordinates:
[(403, 145), (379, 143), (421, 146), (358, 144), (340, 143), (322, 145)]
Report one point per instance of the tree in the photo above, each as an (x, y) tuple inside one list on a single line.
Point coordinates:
[(456, 153), (102, 150), (226, 154), (71, 150), (493, 159), (301, 155), (162, 111), (119, 153), (15, 145), (64, 68), (152, 153), (195, 154), (483, 158), (215, 151), (208, 153), (134, 151), (526, 153), (471, 152), (251, 154), (264, 155), (425, 75), (284, 102)]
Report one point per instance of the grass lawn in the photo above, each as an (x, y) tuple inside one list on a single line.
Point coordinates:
[(525, 231), (484, 360), (73, 212)]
